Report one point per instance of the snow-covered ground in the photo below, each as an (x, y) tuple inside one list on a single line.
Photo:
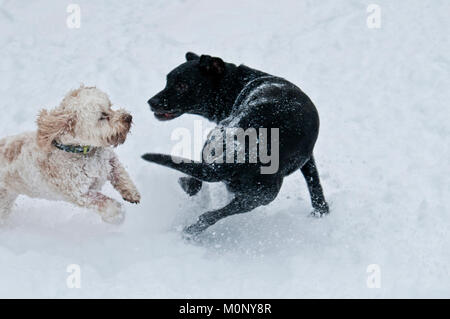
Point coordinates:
[(383, 150)]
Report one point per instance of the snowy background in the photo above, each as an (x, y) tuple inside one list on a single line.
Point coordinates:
[(383, 150)]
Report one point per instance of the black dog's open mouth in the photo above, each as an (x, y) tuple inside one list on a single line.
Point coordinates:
[(166, 116)]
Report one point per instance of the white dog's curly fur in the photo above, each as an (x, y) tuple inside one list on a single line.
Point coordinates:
[(31, 165)]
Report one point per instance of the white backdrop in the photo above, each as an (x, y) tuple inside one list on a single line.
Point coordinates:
[(383, 149)]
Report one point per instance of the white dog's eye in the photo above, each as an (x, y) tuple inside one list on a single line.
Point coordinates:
[(105, 116)]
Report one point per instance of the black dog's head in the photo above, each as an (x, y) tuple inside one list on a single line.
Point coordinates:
[(192, 87)]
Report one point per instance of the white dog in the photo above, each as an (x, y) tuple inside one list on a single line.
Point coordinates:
[(70, 156)]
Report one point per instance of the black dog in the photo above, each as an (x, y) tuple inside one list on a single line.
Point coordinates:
[(241, 97)]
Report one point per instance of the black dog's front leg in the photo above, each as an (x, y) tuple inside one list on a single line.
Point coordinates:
[(190, 185), (238, 205)]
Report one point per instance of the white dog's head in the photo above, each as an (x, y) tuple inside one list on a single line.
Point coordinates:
[(84, 117)]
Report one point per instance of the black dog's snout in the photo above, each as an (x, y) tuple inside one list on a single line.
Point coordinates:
[(154, 102)]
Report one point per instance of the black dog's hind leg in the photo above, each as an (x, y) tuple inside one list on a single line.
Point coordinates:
[(190, 185), (243, 202), (238, 205), (311, 175)]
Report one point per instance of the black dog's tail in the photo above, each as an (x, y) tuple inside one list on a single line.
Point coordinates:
[(201, 171)]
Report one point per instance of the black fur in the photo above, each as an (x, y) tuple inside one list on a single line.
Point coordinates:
[(239, 96)]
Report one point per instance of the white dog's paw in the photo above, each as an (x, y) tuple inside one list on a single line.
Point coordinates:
[(132, 196), (114, 213)]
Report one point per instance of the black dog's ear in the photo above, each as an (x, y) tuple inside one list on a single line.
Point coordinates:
[(212, 65), (190, 56)]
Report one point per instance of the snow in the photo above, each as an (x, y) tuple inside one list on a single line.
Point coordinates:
[(383, 150)]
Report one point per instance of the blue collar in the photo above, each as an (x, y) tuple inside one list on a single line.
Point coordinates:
[(77, 149)]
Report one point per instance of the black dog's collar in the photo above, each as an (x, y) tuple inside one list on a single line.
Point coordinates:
[(77, 149)]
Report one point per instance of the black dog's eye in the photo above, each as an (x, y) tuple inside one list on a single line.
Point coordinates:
[(181, 87), (105, 116)]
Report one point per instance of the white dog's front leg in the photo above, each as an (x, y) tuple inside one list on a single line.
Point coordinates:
[(122, 182), (109, 209)]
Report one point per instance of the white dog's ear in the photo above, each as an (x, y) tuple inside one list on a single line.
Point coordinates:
[(53, 124)]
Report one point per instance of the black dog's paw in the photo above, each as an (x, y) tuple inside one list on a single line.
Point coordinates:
[(195, 229), (190, 185), (321, 210), (188, 237), (190, 232), (317, 213)]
